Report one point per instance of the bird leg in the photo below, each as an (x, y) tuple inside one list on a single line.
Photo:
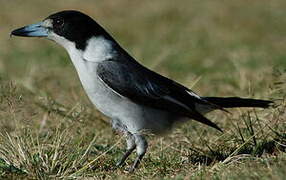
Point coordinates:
[(130, 143), (141, 147)]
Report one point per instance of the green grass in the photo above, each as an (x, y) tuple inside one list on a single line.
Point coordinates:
[(49, 129)]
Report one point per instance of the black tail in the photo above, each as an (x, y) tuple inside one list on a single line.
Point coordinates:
[(231, 102)]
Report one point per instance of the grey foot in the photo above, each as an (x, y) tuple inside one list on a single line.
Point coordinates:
[(136, 163), (124, 157)]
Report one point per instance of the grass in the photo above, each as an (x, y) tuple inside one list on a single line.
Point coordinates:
[(49, 129)]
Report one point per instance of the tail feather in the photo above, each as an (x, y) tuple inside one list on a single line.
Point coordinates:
[(232, 102)]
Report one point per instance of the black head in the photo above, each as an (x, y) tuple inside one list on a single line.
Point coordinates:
[(71, 25), (75, 26)]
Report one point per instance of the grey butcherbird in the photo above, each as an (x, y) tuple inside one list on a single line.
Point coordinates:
[(135, 98)]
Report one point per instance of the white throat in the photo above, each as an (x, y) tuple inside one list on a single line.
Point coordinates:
[(97, 49)]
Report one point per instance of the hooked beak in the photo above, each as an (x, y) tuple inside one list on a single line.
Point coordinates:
[(33, 30)]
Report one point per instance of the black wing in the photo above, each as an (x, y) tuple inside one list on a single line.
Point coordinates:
[(143, 86)]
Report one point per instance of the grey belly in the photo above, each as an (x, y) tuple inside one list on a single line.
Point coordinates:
[(126, 115)]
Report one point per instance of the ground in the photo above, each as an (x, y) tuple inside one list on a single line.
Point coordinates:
[(49, 129)]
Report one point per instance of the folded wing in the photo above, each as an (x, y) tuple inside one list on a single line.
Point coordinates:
[(137, 83)]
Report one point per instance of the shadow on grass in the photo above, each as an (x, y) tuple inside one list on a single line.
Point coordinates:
[(271, 147)]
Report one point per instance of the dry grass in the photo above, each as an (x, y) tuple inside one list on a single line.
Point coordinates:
[(49, 129)]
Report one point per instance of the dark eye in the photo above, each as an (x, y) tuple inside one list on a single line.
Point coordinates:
[(58, 22)]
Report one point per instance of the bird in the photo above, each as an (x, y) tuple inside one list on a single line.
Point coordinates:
[(136, 99)]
